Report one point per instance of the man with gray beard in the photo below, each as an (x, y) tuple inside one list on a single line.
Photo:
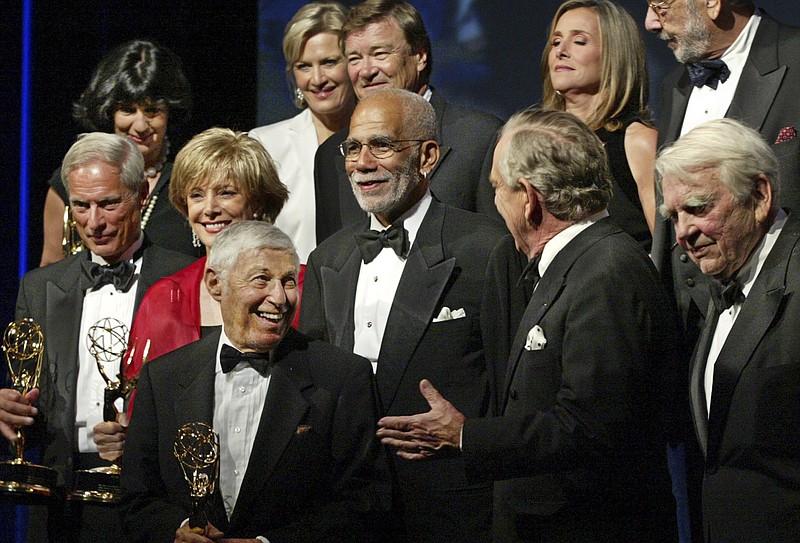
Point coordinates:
[(738, 62), (403, 288)]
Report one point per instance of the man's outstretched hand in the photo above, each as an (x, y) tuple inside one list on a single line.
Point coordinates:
[(421, 436)]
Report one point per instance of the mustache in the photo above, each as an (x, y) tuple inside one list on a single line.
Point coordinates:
[(358, 177)]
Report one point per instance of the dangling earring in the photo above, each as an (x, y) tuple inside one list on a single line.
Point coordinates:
[(196, 240), (301, 99)]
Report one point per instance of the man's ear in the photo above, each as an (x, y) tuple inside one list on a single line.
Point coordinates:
[(213, 283), (713, 8), (422, 60), (762, 198), (533, 207), (428, 156)]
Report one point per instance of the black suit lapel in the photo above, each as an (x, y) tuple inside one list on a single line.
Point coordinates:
[(284, 410), (679, 100), (757, 313), (339, 291), (697, 393), (194, 395), (64, 307), (761, 77), (424, 277)]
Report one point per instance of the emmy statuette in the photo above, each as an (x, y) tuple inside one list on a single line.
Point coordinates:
[(23, 345), (107, 342), (197, 449)]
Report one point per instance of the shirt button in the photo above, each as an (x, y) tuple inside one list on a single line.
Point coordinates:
[(690, 282), (236, 472), (684, 257), (242, 390), (375, 278), (237, 429), (369, 324)]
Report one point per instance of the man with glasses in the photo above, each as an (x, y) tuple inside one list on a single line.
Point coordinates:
[(738, 62), (386, 45), (403, 288)]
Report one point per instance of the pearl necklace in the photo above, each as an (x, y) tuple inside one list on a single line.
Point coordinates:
[(148, 210)]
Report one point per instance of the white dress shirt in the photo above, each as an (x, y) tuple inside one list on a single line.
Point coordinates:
[(562, 239), (105, 302), (705, 103), (239, 397), (377, 285), (747, 276)]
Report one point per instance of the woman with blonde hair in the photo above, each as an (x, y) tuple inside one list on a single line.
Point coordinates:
[(594, 67), (220, 177), (321, 88)]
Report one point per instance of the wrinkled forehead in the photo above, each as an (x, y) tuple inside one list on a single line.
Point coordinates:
[(377, 117)]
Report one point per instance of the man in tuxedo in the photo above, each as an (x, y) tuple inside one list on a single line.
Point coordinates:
[(720, 185), (736, 62), (386, 46), (104, 177), (739, 63), (403, 288), (578, 451), (294, 417)]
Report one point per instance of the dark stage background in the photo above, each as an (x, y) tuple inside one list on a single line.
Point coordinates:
[(486, 53)]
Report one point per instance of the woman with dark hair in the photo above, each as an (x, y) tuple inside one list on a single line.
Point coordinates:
[(137, 90), (593, 66)]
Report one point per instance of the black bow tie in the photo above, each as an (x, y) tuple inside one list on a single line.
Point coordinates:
[(371, 243), (708, 72), (725, 297), (229, 357), (120, 274)]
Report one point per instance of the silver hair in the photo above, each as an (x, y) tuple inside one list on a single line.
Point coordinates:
[(246, 236), (561, 158), (118, 151), (737, 152), (419, 117)]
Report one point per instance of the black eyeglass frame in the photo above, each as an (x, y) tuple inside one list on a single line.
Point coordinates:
[(391, 147)]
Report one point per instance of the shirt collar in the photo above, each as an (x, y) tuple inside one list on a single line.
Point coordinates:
[(562, 239), (735, 56)]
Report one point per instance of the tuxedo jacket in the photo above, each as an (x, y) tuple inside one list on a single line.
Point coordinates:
[(460, 178), (445, 268), (53, 297), (578, 452), (310, 453), (751, 438), (765, 99)]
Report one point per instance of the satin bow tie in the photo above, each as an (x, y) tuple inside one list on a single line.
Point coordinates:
[(229, 357), (120, 274), (371, 243), (727, 296), (708, 72)]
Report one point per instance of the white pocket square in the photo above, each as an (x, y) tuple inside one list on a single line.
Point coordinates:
[(447, 315), (536, 340)]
